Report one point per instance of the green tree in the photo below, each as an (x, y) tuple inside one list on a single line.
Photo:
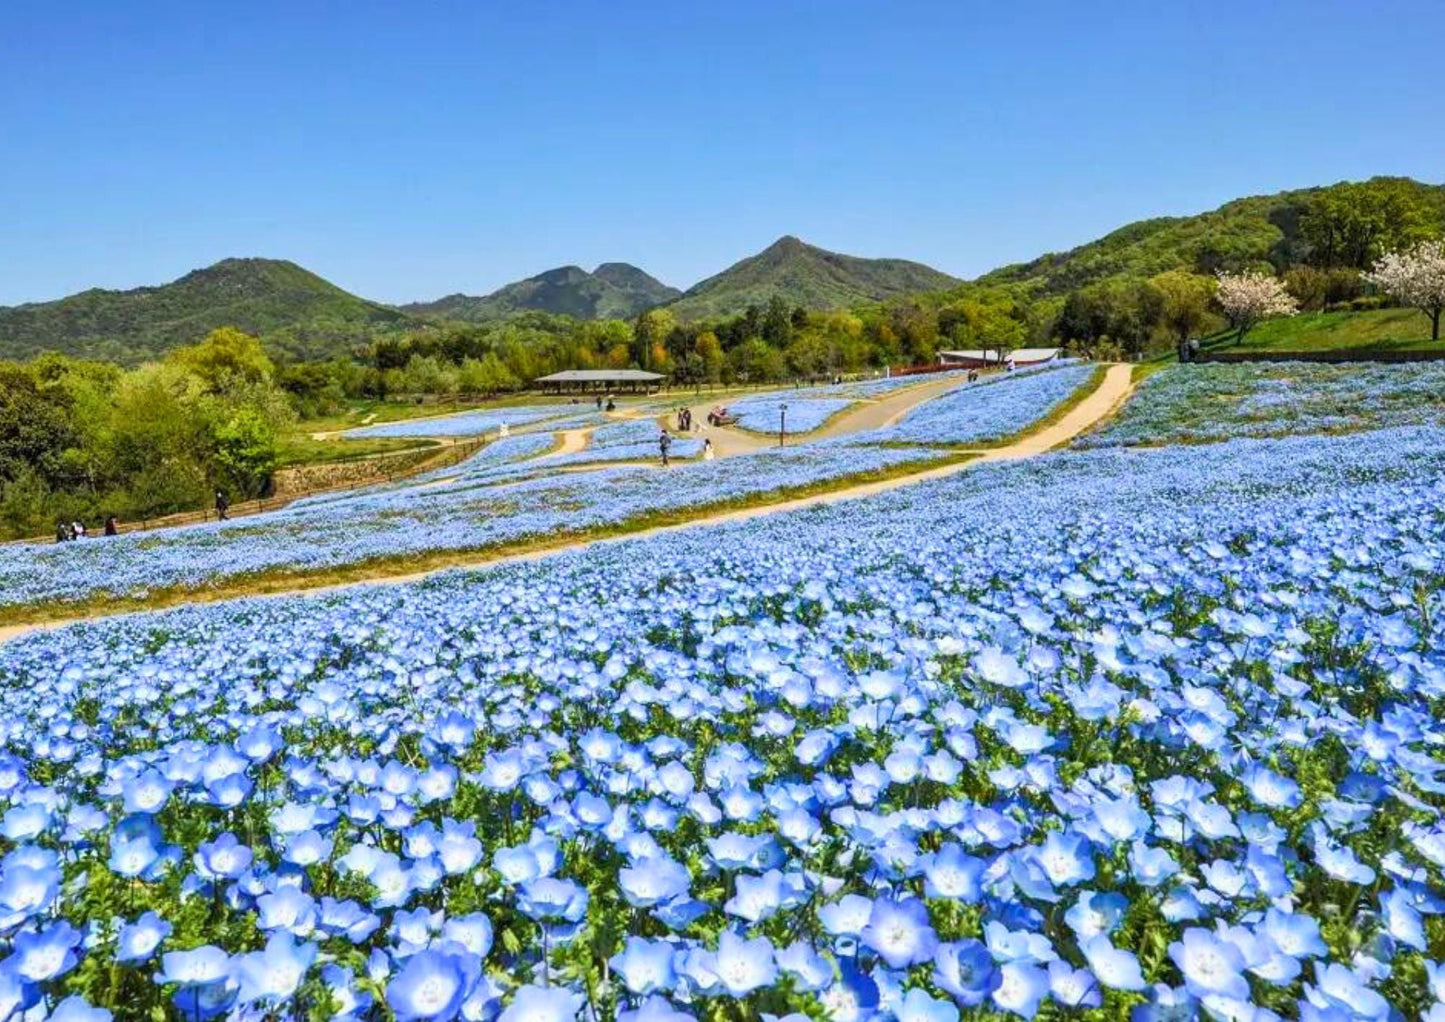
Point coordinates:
[(1184, 302), (246, 451), (227, 358)]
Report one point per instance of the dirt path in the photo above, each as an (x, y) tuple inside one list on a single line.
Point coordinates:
[(1093, 409), (574, 441), (865, 414)]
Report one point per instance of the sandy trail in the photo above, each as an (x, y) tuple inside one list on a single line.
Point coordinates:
[(866, 414), (1093, 409)]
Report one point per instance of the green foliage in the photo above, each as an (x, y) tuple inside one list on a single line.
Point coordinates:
[(246, 451), (1280, 231), (79, 440)]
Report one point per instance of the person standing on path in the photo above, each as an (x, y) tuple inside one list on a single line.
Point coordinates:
[(707, 452), (222, 506), (664, 442)]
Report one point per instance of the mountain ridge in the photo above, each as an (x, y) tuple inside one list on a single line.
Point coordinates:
[(614, 290), (806, 275), (303, 314)]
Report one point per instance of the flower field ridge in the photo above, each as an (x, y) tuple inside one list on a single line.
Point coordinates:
[(1105, 734)]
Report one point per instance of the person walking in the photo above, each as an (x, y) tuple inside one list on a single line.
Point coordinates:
[(62, 532), (707, 452), (222, 506), (112, 526), (77, 530), (664, 443)]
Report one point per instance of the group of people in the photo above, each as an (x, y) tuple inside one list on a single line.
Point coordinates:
[(69, 532), (685, 424), (611, 405)]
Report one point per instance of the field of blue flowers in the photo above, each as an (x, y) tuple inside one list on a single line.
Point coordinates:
[(1112, 734), (504, 494), (1218, 401), (992, 409), (804, 412)]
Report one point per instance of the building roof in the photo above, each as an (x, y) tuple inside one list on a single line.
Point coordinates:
[(992, 354), (600, 376)]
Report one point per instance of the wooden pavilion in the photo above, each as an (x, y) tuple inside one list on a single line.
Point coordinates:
[(580, 381)]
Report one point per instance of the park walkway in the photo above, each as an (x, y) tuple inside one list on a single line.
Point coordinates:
[(1098, 405)]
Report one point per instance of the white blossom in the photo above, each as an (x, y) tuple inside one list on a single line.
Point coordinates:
[(1249, 297), (1414, 277)]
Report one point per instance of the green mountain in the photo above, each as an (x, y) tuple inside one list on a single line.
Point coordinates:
[(803, 275), (1345, 224), (293, 309), (612, 291)]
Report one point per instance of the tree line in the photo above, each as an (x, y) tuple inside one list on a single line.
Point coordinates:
[(82, 440)]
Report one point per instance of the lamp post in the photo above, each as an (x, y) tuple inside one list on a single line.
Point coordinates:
[(782, 422)]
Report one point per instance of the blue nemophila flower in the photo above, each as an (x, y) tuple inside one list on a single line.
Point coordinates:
[(645, 966), (1269, 788), (809, 970), (549, 899), (1167, 1004), (1066, 858), (25, 822), (222, 859), (742, 965), (1338, 987), (472, 931), (952, 873), (37, 956), (900, 932), (273, 975), (135, 845), (1073, 988), (652, 880), (1210, 965), (1095, 913), (207, 987), (433, 984), (920, 1006), (1021, 986), (147, 792), (543, 1004), (965, 971), (347, 919), (139, 940), (77, 1009), (1115, 967), (25, 891)]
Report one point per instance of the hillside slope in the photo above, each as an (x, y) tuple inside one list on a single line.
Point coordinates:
[(1257, 229), (297, 311), (612, 291), (802, 274)]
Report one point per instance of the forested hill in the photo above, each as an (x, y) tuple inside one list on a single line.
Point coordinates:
[(1342, 225), (612, 291), (295, 310), (803, 275)]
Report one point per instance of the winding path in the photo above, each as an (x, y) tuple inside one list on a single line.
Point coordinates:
[(1102, 402)]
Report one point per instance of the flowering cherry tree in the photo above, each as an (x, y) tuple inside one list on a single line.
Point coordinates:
[(1415, 277), (1249, 297)]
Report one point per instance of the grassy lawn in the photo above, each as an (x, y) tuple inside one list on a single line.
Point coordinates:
[(1376, 330), (302, 449)]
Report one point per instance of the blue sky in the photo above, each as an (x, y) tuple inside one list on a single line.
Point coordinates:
[(410, 150)]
